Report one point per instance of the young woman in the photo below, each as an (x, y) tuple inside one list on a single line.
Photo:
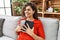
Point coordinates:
[(37, 32)]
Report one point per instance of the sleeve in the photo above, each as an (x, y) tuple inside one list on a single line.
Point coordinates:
[(41, 30), (21, 20), (18, 23)]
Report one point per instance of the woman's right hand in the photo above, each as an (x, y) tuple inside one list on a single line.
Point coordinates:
[(18, 29)]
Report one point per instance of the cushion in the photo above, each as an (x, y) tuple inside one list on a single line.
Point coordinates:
[(51, 28), (59, 32), (1, 27), (5, 38), (59, 35), (59, 25), (9, 27)]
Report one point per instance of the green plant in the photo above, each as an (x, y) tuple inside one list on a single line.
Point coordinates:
[(19, 7), (56, 9), (39, 9)]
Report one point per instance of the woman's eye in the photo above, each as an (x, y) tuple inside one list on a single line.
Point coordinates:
[(27, 9)]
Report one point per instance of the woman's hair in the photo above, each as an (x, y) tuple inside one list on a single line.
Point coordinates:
[(35, 15)]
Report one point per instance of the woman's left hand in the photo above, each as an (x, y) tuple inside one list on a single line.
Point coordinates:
[(29, 30)]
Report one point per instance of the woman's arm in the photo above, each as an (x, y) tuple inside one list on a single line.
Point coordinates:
[(41, 33), (36, 37), (31, 33), (18, 29)]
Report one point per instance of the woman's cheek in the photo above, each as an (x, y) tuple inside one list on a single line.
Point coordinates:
[(26, 15)]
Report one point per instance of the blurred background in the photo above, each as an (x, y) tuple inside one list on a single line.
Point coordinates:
[(45, 8)]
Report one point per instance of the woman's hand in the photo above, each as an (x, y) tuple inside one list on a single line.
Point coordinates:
[(18, 29), (31, 33), (28, 30)]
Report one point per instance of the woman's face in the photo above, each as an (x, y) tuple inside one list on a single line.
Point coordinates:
[(28, 11)]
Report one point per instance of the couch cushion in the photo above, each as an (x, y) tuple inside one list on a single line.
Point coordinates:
[(1, 26), (59, 25), (5, 38), (50, 27), (9, 27)]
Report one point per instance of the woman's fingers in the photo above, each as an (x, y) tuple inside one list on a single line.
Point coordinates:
[(18, 28), (27, 25), (32, 29), (24, 26)]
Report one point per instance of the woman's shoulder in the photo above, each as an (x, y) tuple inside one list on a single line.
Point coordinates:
[(37, 21), (21, 19)]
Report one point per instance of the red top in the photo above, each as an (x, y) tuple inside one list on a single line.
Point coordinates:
[(38, 30)]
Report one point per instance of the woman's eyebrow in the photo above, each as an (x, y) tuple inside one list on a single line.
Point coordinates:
[(27, 9)]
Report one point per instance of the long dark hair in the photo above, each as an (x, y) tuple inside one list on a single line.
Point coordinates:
[(35, 15)]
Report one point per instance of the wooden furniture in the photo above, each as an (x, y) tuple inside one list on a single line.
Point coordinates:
[(44, 4), (14, 4)]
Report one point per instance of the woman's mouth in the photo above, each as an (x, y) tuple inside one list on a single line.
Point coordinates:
[(27, 14)]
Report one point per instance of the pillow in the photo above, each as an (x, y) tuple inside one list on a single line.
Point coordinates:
[(9, 27), (1, 27), (51, 28)]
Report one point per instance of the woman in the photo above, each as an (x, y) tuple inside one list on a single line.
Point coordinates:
[(37, 32)]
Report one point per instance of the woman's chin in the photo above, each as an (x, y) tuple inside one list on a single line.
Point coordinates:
[(28, 16)]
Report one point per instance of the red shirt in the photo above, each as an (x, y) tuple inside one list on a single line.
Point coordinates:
[(38, 30)]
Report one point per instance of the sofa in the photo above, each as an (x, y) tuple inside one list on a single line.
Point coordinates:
[(50, 25)]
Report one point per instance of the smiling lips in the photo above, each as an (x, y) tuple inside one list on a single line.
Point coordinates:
[(28, 14)]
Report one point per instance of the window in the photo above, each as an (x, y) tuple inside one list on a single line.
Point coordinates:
[(5, 7)]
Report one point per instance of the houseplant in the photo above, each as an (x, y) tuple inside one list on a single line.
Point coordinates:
[(39, 9), (18, 5), (55, 9)]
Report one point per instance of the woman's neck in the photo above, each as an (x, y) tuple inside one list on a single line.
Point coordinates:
[(30, 18)]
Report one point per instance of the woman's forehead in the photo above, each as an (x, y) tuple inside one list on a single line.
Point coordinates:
[(28, 7)]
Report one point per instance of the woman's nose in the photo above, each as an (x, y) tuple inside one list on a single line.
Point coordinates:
[(26, 11)]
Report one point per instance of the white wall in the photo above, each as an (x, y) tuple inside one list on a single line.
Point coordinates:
[(5, 7)]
